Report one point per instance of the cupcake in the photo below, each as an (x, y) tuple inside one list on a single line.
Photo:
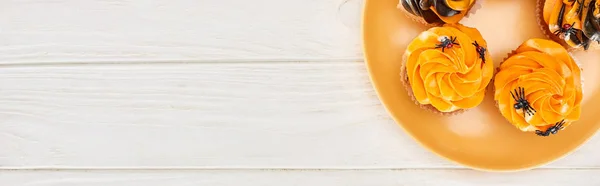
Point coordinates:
[(538, 87), (447, 69), (575, 24), (436, 12)]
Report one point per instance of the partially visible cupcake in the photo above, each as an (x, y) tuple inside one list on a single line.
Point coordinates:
[(538, 88), (447, 69), (573, 23), (437, 12)]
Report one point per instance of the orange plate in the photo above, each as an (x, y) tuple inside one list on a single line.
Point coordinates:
[(480, 138)]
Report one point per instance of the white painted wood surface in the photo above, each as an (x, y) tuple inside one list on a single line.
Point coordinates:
[(209, 92), (157, 30), (300, 177)]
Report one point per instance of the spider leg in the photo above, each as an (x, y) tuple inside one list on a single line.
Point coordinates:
[(513, 95), (558, 32), (541, 133), (555, 130), (571, 31), (522, 93), (527, 111), (532, 109), (560, 125)]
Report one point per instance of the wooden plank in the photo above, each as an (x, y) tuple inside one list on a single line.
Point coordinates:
[(302, 177), (155, 30), (234, 115)]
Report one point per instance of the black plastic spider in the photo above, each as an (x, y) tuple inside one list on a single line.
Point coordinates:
[(446, 43), (567, 29), (522, 103), (552, 130), (480, 51)]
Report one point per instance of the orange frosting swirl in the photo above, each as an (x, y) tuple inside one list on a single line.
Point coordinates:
[(551, 80), (453, 79)]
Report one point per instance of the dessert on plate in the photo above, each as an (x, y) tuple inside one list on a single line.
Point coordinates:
[(447, 69), (573, 23), (538, 87), (437, 11)]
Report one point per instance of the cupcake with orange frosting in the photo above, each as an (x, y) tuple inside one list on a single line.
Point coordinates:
[(573, 23), (538, 88), (447, 69), (438, 11)]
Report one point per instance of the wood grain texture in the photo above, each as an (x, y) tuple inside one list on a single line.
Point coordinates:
[(303, 177), (235, 115), (209, 92), (155, 30)]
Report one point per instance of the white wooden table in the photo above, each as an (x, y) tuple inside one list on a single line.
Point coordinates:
[(210, 92)]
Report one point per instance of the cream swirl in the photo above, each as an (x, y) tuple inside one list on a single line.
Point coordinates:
[(449, 67)]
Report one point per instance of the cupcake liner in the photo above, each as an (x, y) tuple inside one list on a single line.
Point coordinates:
[(539, 12), (476, 6), (408, 88), (513, 52), (581, 70)]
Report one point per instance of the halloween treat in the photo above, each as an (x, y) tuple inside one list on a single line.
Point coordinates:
[(447, 69), (573, 23), (436, 11), (538, 88)]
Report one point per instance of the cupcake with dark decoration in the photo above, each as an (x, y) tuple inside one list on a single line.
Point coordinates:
[(437, 12), (538, 88), (573, 23), (446, 69)]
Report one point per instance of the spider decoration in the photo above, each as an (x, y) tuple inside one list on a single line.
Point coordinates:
[(522, 103), (481, 51), (446, 43), (567, 29), (552, 130)]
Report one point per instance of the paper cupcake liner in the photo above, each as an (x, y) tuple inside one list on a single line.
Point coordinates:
[(408, 88), (513, 52), (539, 12), (478, 4)]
